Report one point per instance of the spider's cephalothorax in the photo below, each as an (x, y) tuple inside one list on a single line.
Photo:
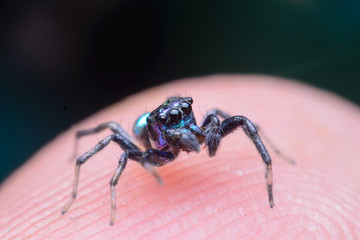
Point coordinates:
[(163, 133), (171, 127)]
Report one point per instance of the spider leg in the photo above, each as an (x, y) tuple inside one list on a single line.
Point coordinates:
[(212, 131), (232, 123), (81, 160), (148, 158), (114, 180), (225, 115), (153, 157), (113, 126), (271, 144)]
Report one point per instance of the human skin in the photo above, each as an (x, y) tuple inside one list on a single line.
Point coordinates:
[(223, 197)]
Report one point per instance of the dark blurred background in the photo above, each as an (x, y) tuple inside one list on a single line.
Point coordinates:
[(63, 60)]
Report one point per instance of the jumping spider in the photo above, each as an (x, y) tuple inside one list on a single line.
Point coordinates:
[(163, 133)]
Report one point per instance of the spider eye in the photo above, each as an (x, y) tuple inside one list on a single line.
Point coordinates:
[(190, 100), (175, 116), (186, 108), (162, 118)]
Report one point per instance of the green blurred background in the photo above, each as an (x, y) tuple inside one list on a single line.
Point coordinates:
[(63, 60)]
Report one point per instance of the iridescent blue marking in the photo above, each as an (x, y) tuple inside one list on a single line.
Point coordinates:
[(140, 124), (142, 119)]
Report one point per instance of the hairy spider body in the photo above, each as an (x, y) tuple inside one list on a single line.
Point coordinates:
[(165, 132)]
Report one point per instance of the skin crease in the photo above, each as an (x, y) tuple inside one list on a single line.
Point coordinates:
[(223, 197)]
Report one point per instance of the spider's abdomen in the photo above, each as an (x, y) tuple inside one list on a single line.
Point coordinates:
[(140, 125), (140, 130)]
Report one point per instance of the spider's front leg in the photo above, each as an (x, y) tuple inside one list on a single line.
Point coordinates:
[(225, 115), (215, 130), (148, 158)]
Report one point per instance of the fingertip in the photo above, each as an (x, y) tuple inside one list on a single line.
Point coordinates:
[(201, 198)]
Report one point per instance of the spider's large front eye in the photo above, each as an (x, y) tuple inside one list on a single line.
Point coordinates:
[(186, 108), (175, 116)]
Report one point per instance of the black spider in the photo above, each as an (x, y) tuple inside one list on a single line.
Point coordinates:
[(164, 133)]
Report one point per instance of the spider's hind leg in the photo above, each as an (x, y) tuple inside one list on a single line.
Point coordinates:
[(113, 126), (274, 148)]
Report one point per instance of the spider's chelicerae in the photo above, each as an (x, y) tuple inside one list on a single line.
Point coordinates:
[(163, 133)]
